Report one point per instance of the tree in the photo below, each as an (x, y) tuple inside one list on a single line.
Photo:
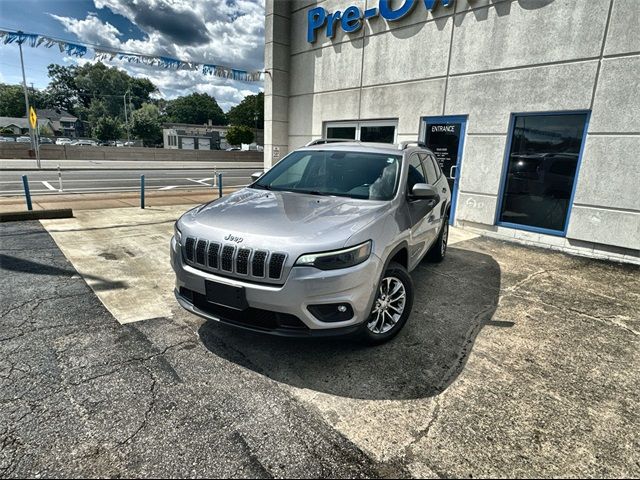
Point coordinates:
[(146, 124), (239, 134), (11, 101), (45, 131), (63, 91), (107, 128), (197, 108), (249, 112), (76, 88)]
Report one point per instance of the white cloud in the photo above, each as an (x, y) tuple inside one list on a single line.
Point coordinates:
[(221, 32)]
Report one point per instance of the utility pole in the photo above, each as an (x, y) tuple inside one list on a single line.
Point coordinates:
[(126, 118), (34, 146)]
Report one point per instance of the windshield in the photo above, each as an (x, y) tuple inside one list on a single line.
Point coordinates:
[(371, 176)]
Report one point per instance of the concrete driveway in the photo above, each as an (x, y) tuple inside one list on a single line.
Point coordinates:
[(515, 362)]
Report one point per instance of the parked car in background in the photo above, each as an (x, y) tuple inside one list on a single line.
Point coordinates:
[(84, 143), (23, 139), (233, 149), (63, 141), (129, 144), (45, 140), (7, 139)]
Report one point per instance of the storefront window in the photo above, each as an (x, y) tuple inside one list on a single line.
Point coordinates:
[(347, 133), (383, 131), (541, 169), (383, 134)]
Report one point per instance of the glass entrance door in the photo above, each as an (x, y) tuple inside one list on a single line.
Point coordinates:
[(444, 136)]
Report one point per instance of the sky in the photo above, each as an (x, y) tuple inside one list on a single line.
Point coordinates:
[(221, 32)]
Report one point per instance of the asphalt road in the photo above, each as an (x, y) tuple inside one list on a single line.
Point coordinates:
[(112, 180), (83, 396)]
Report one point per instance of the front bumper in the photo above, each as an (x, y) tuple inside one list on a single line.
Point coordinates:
[(303, 287)]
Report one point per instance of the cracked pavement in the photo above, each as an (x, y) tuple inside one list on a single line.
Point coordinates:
[(83, 396), (516, 362)]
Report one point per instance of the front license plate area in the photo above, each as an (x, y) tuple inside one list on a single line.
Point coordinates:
[(226, 295)]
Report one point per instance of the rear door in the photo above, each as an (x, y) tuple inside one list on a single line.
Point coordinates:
[(438, 181), (422, 234)]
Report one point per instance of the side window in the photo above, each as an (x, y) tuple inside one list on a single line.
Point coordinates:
[(416, 173), (431, 174), (437, 166)]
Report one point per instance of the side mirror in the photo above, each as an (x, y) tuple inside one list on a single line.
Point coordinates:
[(424, 191), (255, 176)]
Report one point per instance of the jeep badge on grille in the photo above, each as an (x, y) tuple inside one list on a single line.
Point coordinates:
[(232, 238)]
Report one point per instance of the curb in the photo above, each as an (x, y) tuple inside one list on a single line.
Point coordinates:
[(36, 215)]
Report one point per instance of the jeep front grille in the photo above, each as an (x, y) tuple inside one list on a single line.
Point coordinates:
[(230, 260), (275, 265)]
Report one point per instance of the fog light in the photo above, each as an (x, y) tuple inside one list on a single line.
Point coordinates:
[(332, 312)]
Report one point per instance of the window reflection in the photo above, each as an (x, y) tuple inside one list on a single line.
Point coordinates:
[(541, 169)]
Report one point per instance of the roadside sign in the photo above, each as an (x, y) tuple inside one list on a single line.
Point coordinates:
[(33, 118), (276, 152)]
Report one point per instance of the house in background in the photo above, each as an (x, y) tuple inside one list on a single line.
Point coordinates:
[(20, 125), (64, 123)]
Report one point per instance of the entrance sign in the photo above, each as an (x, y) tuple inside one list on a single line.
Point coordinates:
[(352, 19), (444, 136)]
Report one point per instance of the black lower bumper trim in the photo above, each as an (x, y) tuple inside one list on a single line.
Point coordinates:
[(255, 320)]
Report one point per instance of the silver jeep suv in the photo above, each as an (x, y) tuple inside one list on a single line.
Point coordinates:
[(321, 244)]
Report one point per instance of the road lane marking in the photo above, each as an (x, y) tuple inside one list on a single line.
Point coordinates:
[(49, 186), (169, 187), (202, 181)]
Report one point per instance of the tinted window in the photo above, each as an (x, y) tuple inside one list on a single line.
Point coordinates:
[(377, 134), (416, 173), (348, 133), (436, 166), (371, 176), (541, 169), (430, 170)]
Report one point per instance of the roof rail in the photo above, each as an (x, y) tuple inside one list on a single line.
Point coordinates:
[(404, 145), (320, 141)]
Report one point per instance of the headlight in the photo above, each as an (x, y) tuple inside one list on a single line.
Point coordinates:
[(337, 259), (177, 233)]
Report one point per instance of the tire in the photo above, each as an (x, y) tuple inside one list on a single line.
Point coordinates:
[(438, 250), (383, 325)]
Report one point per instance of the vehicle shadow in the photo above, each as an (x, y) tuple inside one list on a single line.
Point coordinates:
[(453, 301), (11, 263)]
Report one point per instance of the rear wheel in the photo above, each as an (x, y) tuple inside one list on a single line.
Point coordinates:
[(439, 249), (392, 306)]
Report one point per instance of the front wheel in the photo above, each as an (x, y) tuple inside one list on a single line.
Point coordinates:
[(391, 308)]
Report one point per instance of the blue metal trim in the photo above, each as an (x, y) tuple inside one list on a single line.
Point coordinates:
[(462, 120), (529, 228), (505, 163)]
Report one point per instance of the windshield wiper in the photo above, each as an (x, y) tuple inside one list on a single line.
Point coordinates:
[(260, 186), (310, 192)]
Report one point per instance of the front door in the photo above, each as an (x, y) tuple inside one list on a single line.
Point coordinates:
[(444, 136)]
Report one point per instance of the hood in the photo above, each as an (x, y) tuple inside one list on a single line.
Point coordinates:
[(268, 219)]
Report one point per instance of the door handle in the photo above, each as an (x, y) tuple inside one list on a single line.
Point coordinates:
[(454, 167)]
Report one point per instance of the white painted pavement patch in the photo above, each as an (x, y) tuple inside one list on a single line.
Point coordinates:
[(123, 255)]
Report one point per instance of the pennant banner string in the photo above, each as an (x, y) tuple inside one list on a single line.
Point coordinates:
[(102, 54)]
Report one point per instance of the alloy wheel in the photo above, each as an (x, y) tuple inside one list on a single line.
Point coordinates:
[(389, 305)]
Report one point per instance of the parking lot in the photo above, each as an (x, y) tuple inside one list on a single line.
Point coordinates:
[(516, 361)]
